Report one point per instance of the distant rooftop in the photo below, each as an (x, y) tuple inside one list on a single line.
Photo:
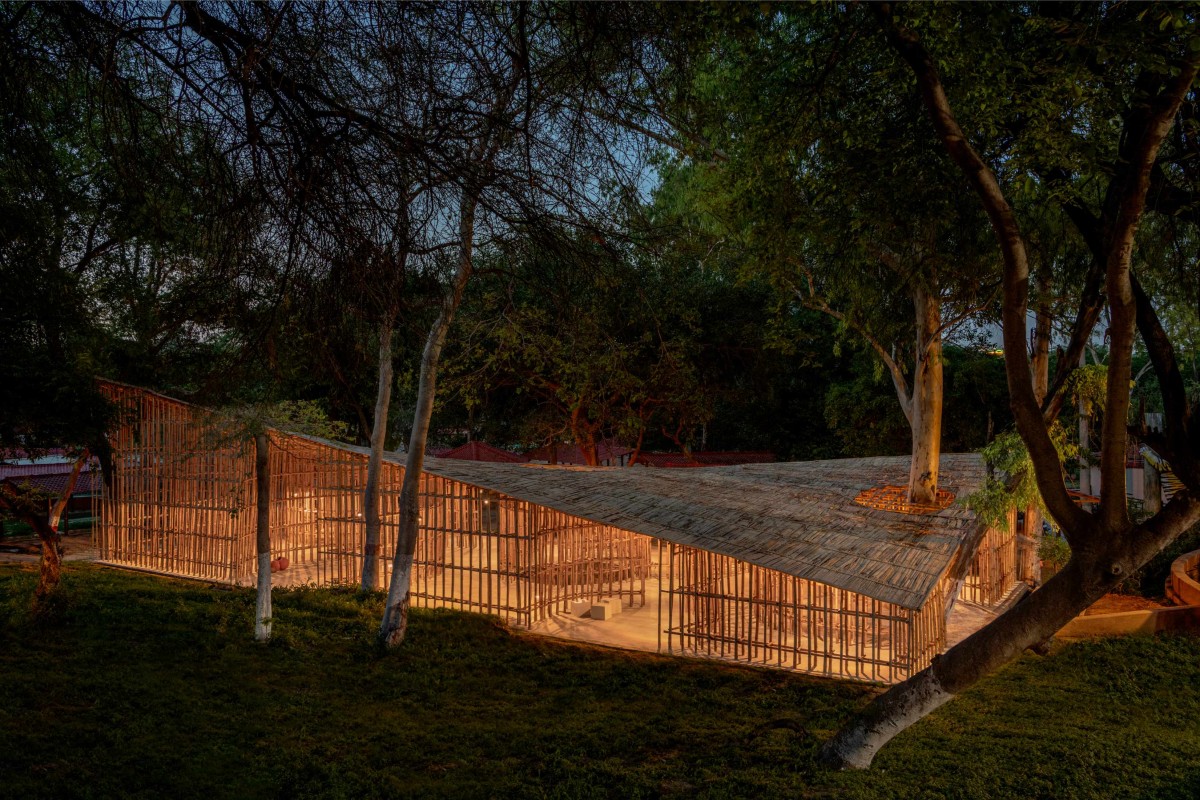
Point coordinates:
[(55, 483), (481, 451), (706, 458), (572, 454)]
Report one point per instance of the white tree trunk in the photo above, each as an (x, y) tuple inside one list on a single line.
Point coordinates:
[(262, 604), (395, 615), (371, 510), (262, 475)]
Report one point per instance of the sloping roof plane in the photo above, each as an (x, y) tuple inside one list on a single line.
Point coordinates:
[(798, 518)]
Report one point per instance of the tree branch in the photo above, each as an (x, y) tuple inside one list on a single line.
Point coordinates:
[(1026, 410), (1147, 129), (60, 504), (1175, 445), (1091, 304), (959, 319), (899, 382)]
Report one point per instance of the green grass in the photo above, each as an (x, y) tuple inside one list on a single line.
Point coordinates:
[(145, 687)]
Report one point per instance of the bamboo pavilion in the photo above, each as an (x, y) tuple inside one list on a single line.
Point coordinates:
[(774, 564)]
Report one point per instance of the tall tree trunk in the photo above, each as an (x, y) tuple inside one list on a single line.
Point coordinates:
[(1039, 370), (1039, 362), (1033, 539), (50, 570), (587, 446), (383, 397), (50, 567), (926, 404), (637, 447), (1085, 448), (395, 615), (262, 541), (1152, 487)]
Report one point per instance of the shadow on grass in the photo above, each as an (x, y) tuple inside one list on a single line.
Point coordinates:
[(146, 687)]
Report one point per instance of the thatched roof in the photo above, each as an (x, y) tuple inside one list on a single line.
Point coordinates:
[(798, 518)]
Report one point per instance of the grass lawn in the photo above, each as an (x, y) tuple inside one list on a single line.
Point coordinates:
[(146, 687)]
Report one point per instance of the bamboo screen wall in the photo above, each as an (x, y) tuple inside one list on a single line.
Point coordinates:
[(994, 570), (182, 505), (720, 607), (177, 501), (1029, 535)]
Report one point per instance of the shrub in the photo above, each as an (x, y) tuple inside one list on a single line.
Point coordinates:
[(1150, 580), (1054, 553)]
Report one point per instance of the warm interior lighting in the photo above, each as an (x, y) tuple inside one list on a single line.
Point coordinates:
[(895, 498)]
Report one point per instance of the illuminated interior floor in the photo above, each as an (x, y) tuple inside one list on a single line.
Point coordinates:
[(967, 617), (637, 627)]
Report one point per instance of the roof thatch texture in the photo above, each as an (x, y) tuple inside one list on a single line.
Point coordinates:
[(798, 518)]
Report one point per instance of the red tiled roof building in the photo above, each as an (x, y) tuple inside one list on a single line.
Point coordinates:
[(481, 451)]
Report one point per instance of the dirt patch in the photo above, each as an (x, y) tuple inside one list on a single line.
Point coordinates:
[(1116, 603), (76, 545)]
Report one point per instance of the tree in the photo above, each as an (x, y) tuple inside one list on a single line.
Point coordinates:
[(530, 156), (1107, 545), (252, 425), (597, 343), (96, 192), (42, 511), (346, 110), (344, 120), (838, 197)]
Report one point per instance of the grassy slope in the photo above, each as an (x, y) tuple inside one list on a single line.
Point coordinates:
[(152, 688)]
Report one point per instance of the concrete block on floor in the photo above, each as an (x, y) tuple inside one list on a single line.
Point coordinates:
[(602, 610), (606, 608)]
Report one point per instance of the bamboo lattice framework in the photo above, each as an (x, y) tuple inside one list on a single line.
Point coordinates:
[(720, 607), (182, 504), (182, 498), (994, 569)]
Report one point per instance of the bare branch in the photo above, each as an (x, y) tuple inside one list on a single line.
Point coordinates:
[(899, 382)]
